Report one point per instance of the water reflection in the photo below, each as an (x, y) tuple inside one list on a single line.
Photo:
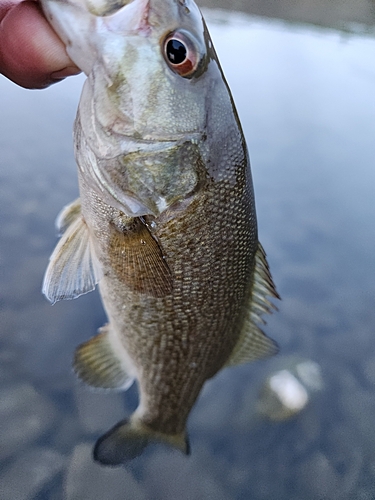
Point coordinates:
[(305, 98), (339, 14)]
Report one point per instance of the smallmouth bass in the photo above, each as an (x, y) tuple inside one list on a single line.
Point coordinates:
[(166, 220)]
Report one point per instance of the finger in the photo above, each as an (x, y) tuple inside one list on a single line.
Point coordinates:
[(31, 54)]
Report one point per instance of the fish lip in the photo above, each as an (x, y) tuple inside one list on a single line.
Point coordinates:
[(140, 17), (132, 18)]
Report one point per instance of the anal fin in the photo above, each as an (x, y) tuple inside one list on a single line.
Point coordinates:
[(253, 343), (100, 362)]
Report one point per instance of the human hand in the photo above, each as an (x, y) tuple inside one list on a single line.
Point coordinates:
[(31, 54)]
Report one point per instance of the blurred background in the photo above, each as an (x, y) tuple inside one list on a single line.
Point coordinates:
[(343, 15), (302, 74)]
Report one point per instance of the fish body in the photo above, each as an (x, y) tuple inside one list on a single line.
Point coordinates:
[(166, 220)]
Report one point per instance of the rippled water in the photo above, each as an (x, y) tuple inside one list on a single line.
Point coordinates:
[(305, 98)]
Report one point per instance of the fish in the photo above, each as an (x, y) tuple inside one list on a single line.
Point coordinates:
[(165, 224)]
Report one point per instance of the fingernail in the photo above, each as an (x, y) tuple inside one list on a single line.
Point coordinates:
[(63, 73)]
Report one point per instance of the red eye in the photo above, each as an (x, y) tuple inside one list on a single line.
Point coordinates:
[(181, 54)]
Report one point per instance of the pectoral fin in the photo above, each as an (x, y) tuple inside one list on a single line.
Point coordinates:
[(138, 261), (101, 362), (72, 270), (253, 343)]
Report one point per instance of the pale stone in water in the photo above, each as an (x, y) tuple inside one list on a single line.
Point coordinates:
[(282, 396), (289, 390)]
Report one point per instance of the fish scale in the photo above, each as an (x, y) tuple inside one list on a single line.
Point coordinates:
[(166, 221)]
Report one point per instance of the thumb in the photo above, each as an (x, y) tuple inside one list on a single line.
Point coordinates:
[(31, 54)]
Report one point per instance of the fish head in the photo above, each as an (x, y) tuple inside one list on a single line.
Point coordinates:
[(145, 79), (154, 86)]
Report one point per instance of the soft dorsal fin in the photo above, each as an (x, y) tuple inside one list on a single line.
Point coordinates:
[(71, 271), (253, 343), (67, 216)]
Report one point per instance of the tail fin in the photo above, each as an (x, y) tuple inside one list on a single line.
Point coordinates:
[(127, 440)]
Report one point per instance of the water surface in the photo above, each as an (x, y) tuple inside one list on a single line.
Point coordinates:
[(305, 98)]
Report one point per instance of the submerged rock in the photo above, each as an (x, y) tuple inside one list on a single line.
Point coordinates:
[(287, 391)]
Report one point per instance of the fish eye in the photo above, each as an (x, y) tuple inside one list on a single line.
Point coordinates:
[(181, 54), (176, 51)]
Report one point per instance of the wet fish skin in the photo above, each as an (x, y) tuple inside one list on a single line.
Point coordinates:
[(167, 224)]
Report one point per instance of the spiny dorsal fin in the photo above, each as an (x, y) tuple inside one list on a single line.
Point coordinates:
[(67, 216), (100, 362), (137, 259), (72, 270), (253, 343)]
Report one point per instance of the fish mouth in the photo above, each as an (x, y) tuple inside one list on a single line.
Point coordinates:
[(139, 17), (104, 8), (133, 17)]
